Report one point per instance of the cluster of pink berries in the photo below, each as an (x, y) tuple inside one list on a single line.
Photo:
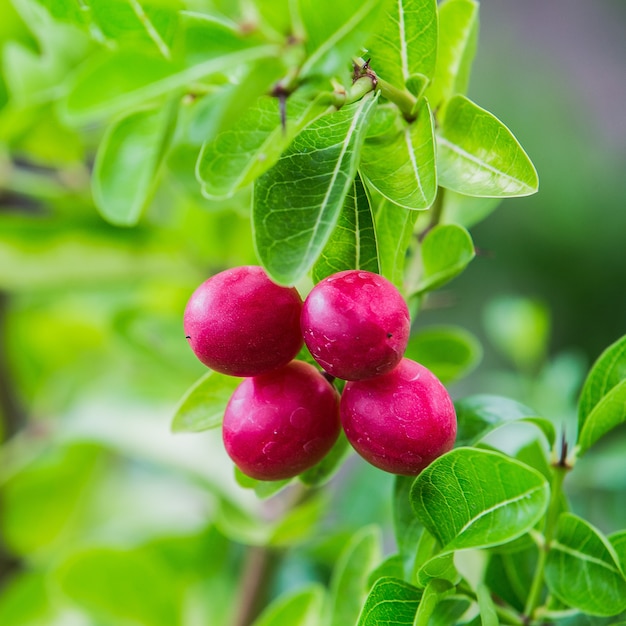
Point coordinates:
[(286, 415)]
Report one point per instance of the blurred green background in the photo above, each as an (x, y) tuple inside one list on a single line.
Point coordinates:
[(101, 505)]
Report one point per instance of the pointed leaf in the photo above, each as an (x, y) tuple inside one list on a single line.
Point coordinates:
[(335, 32), (127, 162), (471, 498), (391, 602), (478, 155), (583, 570), (400, 164), (352, 245), (299, 608), (405, 41), (394, 232), (234, 159), (348, 585), (602, 406), (297, 203), (449, 352), (446, 251), (458, 33), (481, 414), (203, 406)]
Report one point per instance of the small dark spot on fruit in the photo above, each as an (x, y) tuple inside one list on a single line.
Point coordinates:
[(187, 336), (389, 335)]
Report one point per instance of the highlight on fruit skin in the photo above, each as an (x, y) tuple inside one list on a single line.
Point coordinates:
[(401, 421), (281, 423), (356, 324), (239, 322)]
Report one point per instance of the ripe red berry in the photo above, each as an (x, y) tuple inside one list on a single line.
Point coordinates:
[(399, 422), (239, 322), (281, 423), (356, 324)]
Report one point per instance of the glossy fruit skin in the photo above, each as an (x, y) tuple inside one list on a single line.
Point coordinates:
[(356, 324), (239, 322), (399, 422), (280, 424)]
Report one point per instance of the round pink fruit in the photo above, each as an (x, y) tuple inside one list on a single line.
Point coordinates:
[(239, 322), (281, 423), (399, 422), (356, 324)]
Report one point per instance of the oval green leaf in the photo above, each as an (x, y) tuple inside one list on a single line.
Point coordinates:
[(297, 203), (352, 245), (348, 584), (127, 162), (602, 404), (391, 602), (477, 154), (470, 498), (405, 40), (583, 570), (481, 414), (203, 406), (449, 352), (446, 251), (400, 164)]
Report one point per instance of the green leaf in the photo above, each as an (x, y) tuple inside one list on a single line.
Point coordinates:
[(323, 471), (352, 245), (405, 41), (127, 163), (122, 585), (392, 566), (348, 585), (458, 33), (298, 608), (583, 570), (520, 329), (203, 405), (446, 251), (439, 567), (400, 164), (391, 602), (335, 32), (394, 232), (466, 210), (449, 352), (478, 155), (25, 600), (470, 498), (407, 528), (234, 159), (602, 403), (116, 81), (449, 610), (436, 591), (481, 414), (510, 575), (297, 203), (618, 541)]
